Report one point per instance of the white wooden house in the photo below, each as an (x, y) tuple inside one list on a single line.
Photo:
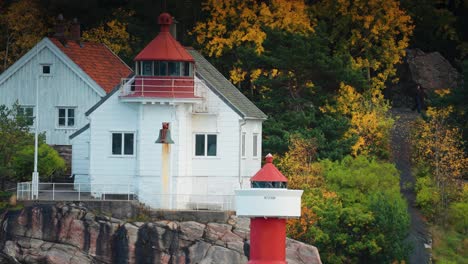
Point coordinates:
[(216, 131), (67, 76)]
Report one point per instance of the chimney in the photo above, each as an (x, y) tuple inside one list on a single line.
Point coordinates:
[(173, 28), (60, 29), (75, 31)]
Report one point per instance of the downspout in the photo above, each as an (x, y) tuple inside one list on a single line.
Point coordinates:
[(243, 122)]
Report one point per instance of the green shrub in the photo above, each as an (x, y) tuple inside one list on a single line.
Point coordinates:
[(49, 162)]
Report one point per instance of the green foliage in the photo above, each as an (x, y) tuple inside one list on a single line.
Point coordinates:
[(458, 216), (17, 148), (49, 162), (354, 213), (449, 246), (427, 196), (14, 132)]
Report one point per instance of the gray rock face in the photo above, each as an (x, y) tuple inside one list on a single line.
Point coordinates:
[(431, 70), (71, 234)]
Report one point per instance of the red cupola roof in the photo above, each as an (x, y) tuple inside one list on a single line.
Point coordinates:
[(164, 47), (269, 172)]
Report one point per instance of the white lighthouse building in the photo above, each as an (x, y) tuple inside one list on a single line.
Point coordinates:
[(216, 131)]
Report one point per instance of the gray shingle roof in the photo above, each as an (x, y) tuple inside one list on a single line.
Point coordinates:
[(224, 88)]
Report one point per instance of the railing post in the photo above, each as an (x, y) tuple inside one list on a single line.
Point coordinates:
[(53, 191), (173, 80), (79, 191), (128, 192)]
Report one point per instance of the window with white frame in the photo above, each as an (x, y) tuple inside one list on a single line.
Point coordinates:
[(243, 145), (255, 145), (66, 117), (206, 145), (123, 143), (28, 113)]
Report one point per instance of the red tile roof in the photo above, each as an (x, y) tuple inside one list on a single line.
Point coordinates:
[(96, 60)]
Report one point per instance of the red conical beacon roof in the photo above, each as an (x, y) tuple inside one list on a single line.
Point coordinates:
[(269, 172), (164, 47)]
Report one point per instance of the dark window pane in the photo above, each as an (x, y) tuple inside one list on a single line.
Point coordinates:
[(147, 68), (199, 145), (128, 144), (71, 121), (186, 68), (163, 68), (156, 68), (174, 68), (116, 143), (71, 112), (211, 145), (61, 112), (61, 121), (28, 111), (255, 145), (46, 69)]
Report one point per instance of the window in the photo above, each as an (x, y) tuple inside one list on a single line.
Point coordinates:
[(205, 145), (28, 113), (66, 117), (46, 69), (123, 144), (174, 68), (186, 68), (243, 144), (147, 68), (255, 146)]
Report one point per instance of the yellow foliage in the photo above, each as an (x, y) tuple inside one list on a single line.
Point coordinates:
[(442, 92), (438, 145), (234, 22), (24, 26), (369, 118), (113, 34)]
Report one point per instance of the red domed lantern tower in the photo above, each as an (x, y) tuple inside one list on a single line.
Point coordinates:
[(163, 69), (268, 203)]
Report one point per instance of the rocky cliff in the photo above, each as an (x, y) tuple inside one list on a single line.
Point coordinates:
[(71, 233)]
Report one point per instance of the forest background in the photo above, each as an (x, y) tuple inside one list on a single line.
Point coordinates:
[(319, 70)]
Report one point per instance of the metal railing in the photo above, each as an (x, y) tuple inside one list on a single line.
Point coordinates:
[(156, 87), (188, 201), (76, 192), (124, 192)]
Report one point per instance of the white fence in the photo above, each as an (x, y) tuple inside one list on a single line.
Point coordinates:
[(122, 192), (75, 192)]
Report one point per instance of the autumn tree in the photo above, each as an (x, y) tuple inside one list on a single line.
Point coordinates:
[(113, 33), (23, 25), (374, 33), (439, 146), (234, 25), (369, 118)]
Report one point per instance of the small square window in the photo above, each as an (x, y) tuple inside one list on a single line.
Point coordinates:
[(45, 69)]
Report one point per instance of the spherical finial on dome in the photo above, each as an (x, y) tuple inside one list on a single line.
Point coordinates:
[(165, 19), (269, 158)]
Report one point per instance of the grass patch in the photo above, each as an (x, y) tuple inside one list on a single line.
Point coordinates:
[(449, 246)]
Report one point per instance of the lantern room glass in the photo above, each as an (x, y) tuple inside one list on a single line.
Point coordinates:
[(165, 68)]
